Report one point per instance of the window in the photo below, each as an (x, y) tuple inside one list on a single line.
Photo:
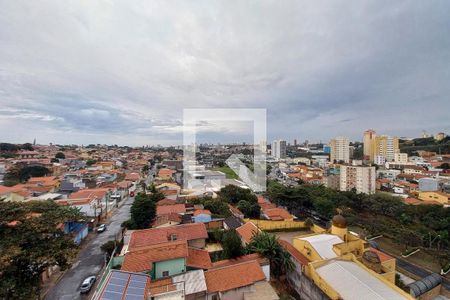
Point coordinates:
[(214, 297), (165, 273)]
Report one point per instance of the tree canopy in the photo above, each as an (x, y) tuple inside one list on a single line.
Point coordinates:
[(143, 210), (31, 241), (411, 225)]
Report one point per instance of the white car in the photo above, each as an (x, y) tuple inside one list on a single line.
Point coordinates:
[(87, 284), (101, 228)]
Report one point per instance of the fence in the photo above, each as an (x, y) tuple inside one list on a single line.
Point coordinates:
[(278, 225)]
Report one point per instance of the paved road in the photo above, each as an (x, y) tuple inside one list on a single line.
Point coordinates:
[(90, 260)]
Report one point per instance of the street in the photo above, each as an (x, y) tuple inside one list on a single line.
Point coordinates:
[(90, 260)]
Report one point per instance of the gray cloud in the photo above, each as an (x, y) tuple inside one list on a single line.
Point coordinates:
[(109, 71)]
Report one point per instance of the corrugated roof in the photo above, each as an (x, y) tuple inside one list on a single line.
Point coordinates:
[(323, 244), (352, 282), (194, 281)]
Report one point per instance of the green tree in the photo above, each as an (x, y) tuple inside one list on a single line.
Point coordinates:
[(60, 155), (232, 244), (31, 242), (267, 245), (234, 194), (143, 210), (108, 247), (250, 210)]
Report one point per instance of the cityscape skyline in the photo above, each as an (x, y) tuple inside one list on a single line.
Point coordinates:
[(317, 74)]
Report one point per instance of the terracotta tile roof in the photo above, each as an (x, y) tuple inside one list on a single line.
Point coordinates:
[(249, 257), (234, 210), (297, 255), (132, 176), (267, 205), (152, 236), (234, 276), (164, 172), (247, 231), (142, 260), (198, 259), (202, 212), (167, 209), (277, 213), (89, 193), (169, 192), (166, 202), (383, 256), (261, 199)]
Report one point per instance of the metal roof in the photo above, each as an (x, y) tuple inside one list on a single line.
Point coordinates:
[(194, 281), (323, 244), (425, 284), (353, 282)]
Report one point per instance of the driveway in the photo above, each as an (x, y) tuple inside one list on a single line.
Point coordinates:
[(90, 259)]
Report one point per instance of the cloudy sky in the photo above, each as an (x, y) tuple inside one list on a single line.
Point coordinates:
[(121, 72)]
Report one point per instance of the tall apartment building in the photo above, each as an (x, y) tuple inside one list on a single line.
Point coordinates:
[(361, 178), (340, 149), (386, 146), (368, 141), (379, 148), (279, 149)]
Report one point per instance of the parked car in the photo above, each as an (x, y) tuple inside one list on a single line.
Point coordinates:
[(101, 228), (131, 194), (87, 284)]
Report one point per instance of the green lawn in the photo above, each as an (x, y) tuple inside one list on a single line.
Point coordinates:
[(228, 172)]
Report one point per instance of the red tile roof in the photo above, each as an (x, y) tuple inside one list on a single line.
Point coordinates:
[(202, 212), (247, 231), (167, 209), (277, 214), (142, 260), (147, 237), (234, 276), (297, 255), (198, 259), (249, 257), (166, 202), (383, 256)]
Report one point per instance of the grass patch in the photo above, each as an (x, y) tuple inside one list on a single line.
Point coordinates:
[(228, 172)]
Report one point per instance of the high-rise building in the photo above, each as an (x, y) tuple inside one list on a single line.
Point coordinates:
[(279, 149), (368, 140), (340, 149), (361, 178), (379, 147), (386, 146), (295, 142)]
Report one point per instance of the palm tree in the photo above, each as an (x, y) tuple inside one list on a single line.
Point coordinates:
[(267, 245)]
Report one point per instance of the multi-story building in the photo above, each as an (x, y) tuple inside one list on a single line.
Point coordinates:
[(279, 149), (368, 140), (340, 150), (386, 146), (376, 146), (361, 178), (401, 158)]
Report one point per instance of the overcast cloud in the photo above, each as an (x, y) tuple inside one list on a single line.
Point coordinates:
[(121, 72)]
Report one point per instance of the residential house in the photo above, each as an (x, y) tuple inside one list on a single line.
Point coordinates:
[(233, 281), (247, 231), (201, 216)]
